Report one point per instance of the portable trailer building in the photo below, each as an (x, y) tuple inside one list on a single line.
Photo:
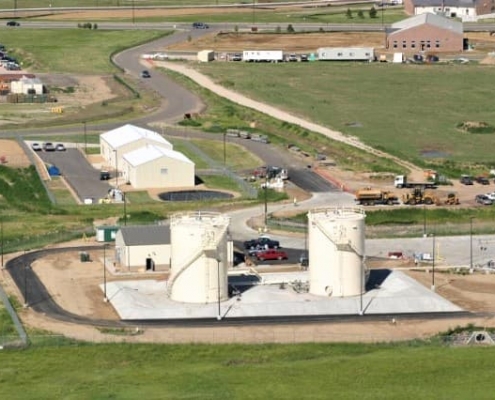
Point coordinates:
[(206, 55), (263, 56), (346, 53)]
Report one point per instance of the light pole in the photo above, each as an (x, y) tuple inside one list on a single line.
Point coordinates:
[(361, 311), (85, 140), (1, 237), (424, 221), (105, 298), (471, 243), (433, 264), (133, 19), (26, 303), (266, 199), (219, 314), (224, 150), (116, 169), (125, 209)]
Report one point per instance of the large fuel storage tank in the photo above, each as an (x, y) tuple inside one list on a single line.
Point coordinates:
[(199, 259), (336, 251)]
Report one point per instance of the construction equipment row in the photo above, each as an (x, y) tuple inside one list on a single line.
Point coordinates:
[(370, 197)]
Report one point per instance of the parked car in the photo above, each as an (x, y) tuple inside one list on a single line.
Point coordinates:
[(271, 254), (104, 176), (13, 23), (237, 57), (304, 260), (145, 74), (292, 58), (304, 57), (200, 25), (483, 199), (482, 180), (491, 196), (36, 147), (261, 242), (466, 180), (48, 146), (60, 147)]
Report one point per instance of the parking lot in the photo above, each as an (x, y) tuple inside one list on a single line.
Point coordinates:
[(77, 171)]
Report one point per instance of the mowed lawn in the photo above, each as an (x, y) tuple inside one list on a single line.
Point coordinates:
[(311, 371), (403, 109)]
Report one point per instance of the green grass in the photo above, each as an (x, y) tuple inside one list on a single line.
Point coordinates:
[(222, 114), (73, 51), (6, 325), (402, 109), (348, 371)]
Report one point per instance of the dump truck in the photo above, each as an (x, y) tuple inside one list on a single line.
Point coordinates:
[(401, 181), (370, 197), (450, 200), (418, 196)]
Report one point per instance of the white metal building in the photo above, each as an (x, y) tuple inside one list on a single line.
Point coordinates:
[(336, 252), (117, 142), (206, 55), (346, 53), (27, 86), (158, 167), (142, 247), (263, 56)]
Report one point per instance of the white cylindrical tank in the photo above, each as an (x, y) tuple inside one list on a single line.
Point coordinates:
[(199, 257), (336, 251)]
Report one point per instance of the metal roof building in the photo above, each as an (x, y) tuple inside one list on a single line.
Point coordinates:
[(158, 167), (426, 32), (465, 9), (117, 142), (142, 247)]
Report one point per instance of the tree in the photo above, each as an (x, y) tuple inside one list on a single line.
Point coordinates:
[(348, 13), (290, 28), (360, 14), (373, 12)]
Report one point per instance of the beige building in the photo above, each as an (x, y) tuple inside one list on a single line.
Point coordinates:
[(426, 32), (143, 247), (117, 142), (27, 85), (157, 167)]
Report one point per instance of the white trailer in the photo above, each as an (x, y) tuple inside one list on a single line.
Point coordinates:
[(263, 56), (346, 53)]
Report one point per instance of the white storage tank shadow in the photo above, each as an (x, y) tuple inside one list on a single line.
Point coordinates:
[(199, 257), (336, 251)]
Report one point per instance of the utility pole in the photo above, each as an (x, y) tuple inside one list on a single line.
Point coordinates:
[(433, 265), (85, 140), (471, 243), (105, 298)]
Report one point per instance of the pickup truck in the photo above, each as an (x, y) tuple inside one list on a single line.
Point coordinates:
[(271, 254), (261, 242)]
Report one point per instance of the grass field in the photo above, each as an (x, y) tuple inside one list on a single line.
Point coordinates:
[(406, 110), (68, 50), (8, 4), (311, 371)]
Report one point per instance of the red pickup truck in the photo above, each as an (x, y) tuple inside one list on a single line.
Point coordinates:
[(271, 254)]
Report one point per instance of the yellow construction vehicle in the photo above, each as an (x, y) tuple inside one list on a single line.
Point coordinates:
[(418, 196), (370, 197), (450, 200)]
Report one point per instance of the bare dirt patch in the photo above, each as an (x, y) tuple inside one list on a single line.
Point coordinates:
[(12, 154)]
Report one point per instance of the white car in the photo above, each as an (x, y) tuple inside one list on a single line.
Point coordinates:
[(491, 196)]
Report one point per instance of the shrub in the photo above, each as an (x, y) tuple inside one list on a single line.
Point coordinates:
[(290, 28), (348, 13), (373, 12)]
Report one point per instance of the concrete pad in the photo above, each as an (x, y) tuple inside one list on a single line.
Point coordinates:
[(277, 295)]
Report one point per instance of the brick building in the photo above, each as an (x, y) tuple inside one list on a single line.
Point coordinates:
[(426, 32)]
